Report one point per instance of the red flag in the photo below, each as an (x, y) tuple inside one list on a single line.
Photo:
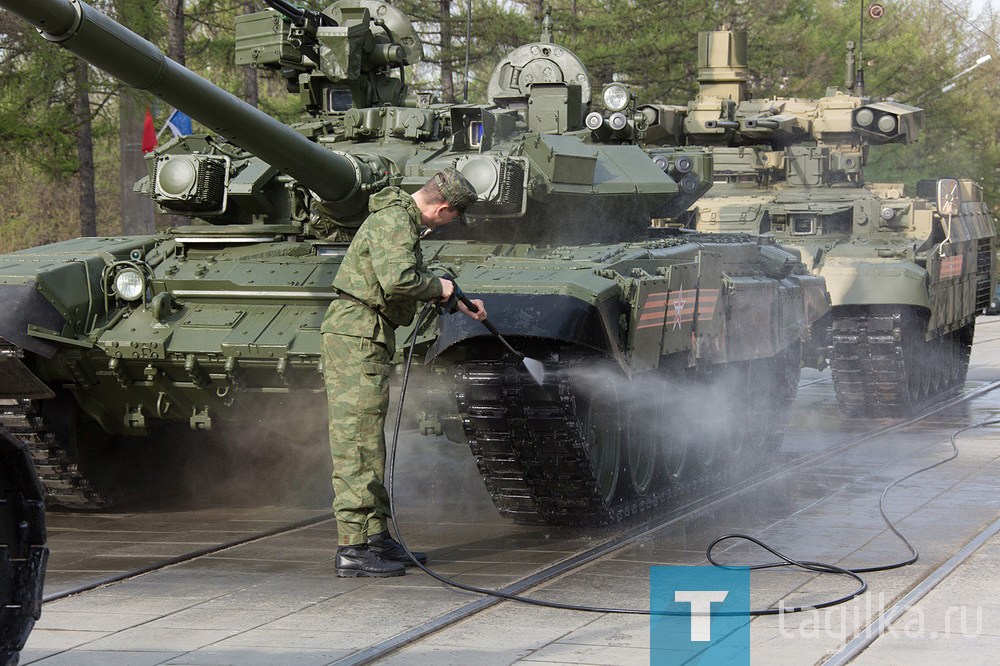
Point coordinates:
[(148, 133)]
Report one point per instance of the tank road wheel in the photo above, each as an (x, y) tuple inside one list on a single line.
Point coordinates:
[(600, 411), (675, 431), (707, 417), (644, 435), (727, 415)]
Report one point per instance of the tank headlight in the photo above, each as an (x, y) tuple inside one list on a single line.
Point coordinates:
[(864, 117), (594, 120), (887, 124), (177, 175), (129, 284), (616, 97), (888, 213)]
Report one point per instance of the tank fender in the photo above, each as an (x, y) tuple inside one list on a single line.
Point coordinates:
[(25, 305), (816, 300), (540, 316), (872, 281)]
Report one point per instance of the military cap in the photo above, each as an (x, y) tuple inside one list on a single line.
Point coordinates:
[(456, 190)]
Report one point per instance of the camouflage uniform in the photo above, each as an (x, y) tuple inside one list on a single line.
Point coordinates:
[(383, 268)]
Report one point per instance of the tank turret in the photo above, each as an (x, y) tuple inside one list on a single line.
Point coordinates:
[(526, 151)]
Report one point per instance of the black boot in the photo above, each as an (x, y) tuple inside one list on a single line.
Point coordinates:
[(362, 561), (390, 550)]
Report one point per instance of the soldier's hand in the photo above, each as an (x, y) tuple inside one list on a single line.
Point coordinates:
[(447, 289), (479, 315)]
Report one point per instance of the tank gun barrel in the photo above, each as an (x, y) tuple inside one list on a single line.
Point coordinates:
[(112, 48), (721, 124)]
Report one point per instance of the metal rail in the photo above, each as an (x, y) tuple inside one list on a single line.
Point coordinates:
[(894, 612), (193, 555)]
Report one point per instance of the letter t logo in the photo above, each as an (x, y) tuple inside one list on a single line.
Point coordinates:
[(701, 602)]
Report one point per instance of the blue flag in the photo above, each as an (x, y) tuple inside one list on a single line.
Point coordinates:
[(179, 123)]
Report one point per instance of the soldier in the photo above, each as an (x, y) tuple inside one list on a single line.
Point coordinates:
[(379, 283)]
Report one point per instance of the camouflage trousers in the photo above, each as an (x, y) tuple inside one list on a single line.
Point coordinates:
[(356, 371)]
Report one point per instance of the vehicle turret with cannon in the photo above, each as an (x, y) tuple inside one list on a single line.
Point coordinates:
[(906, 274)]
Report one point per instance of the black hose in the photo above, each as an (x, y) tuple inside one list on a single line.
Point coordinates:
[(816, 567)]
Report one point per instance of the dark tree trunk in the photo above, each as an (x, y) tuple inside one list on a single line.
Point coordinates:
[(136, 209), (447, 78), (85, 152), (251, 94), (175, 31)]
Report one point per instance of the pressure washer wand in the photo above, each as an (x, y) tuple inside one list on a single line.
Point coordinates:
[(535, 368)]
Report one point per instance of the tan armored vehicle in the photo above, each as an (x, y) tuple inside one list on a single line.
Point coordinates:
[(906, 273)]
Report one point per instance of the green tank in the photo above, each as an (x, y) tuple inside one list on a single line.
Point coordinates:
[(906, 273), (217, 322)]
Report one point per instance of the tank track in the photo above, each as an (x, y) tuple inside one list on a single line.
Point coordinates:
[(60, 475), (23, 554), (530, 449), (882, 366)]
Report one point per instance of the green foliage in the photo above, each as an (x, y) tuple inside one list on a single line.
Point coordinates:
[(36, 118)]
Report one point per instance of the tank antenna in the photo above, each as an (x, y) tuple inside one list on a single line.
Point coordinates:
[(851, 64), (547, 26), (860, 79), (468, 37)]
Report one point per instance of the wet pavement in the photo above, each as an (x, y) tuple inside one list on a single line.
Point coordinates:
[(276, 600)]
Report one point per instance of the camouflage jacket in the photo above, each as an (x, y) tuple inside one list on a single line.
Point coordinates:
[(384, 268)]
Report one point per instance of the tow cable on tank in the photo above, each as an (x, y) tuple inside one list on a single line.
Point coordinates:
[(785, 561)]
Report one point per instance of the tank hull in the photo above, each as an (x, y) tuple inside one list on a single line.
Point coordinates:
[(224, 340)]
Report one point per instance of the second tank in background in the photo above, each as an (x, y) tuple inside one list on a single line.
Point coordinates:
[(906, 272)]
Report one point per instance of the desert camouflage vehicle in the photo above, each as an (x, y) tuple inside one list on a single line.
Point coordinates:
[(907, 274)]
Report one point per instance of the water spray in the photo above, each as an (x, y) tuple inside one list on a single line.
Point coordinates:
[(783, 560)]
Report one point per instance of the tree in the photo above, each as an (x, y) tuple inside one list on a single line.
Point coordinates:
[(85, 151), (136, 209)]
